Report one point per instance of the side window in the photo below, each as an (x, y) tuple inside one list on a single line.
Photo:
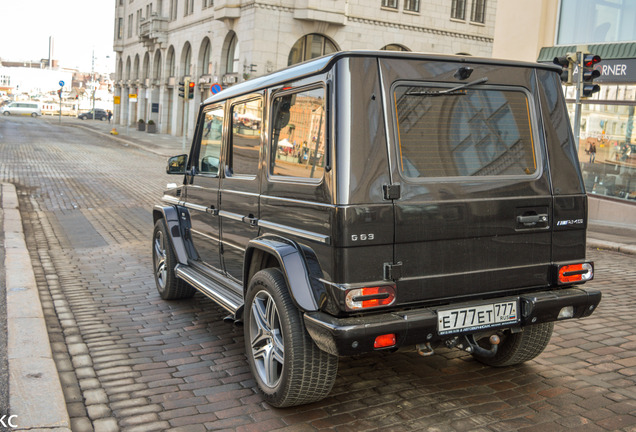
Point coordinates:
[(211, 137), (246, 137), (298, 134)]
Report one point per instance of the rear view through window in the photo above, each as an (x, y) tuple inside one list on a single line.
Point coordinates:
[(467, 132)]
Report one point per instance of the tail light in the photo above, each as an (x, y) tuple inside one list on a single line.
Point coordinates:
[(573, 273), (385, 341), (370, 297)]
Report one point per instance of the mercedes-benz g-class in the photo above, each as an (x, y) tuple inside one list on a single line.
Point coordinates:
[(375, 200)]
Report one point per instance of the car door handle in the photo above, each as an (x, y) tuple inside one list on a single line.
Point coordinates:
[(532, 220), (250, 220)]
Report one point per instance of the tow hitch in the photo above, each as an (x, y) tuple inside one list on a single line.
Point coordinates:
[(468, 344)]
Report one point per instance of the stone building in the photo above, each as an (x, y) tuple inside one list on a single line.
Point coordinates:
[(160, 43)]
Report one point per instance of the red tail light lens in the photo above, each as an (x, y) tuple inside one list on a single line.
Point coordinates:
[(370, 297), (576, 273), (385, 341)]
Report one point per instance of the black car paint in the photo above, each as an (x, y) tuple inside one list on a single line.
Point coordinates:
[(439, 241)]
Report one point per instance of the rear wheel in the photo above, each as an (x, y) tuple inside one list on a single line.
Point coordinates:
[(34, 115), (164, 261), (6, 113), (288, 366), (521, 347)]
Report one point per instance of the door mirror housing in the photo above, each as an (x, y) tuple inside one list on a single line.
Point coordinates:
[(177, 165)]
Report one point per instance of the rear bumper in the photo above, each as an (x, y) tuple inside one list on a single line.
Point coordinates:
[(356, 335)]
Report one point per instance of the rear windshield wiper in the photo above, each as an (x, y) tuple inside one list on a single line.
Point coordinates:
[(451, 91)]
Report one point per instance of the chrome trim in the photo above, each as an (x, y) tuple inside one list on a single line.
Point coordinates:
[(308, 235), (230, 215), (197, 207), (236, 192), (291, 200), (170, 199), (207, 236), (228, 300)]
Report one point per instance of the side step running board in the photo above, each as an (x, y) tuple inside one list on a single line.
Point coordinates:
[(225, 297)]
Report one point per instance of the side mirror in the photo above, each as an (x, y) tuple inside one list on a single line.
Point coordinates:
[(177, 164)]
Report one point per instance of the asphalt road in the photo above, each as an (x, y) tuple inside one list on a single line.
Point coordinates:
[(130, 361)]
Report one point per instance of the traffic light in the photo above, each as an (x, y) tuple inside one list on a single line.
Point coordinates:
[(588, 88), (182, 88), (191, 90), (567, 62)]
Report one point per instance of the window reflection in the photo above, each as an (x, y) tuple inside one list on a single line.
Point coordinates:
[(298, 135)]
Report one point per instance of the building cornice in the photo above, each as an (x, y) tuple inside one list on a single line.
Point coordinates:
[(420, 29)]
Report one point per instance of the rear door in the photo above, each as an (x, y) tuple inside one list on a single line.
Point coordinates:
[(239, 192), (473, 215)]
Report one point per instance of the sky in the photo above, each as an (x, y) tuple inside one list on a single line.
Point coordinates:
[(79, 29)]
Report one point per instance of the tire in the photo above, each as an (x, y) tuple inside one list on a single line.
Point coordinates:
[(82, 117), (34, 115), (164, 261), (7, 113), (516, 348), (288, 367), (102, 118)]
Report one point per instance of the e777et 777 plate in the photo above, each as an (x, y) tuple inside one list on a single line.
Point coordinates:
[(478, 317)]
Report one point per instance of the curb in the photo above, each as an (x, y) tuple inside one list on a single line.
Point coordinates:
[(612, 246), (36, 399)]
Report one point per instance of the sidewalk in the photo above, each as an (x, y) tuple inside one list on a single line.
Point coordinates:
[(159, 144)]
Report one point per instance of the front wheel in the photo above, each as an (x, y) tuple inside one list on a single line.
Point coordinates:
[(164, 261), (288, 366), (6, 113), (520, 347)]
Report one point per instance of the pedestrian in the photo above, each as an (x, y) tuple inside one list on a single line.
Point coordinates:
[(592, 152), (110, 116)]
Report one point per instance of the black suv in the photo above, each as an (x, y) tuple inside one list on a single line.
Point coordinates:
[(100, 114), (374, 200)]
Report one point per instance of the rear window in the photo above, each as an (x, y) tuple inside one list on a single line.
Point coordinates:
[(468, 132)]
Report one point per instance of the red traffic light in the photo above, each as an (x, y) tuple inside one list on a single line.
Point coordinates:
[(191, 84), (590, 60)]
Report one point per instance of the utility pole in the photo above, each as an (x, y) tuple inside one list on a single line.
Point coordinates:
[(93, 80)]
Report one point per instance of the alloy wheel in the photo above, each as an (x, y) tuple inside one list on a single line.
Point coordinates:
[(268, 348)]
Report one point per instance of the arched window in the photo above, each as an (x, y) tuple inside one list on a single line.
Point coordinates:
[(310, 46), (171, 62), (128, 68), (204, 60), (233, 55), (187, 59), (394, 47), (146, 67), (156, 67), (136, 68)]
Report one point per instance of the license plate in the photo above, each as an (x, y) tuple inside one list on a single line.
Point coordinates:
[(479, 317)]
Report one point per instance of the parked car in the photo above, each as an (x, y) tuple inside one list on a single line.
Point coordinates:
[(437, 202), (22, 108), (100, 114)]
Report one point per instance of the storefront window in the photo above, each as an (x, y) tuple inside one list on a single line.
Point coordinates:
[(607, 144), (594, 21)]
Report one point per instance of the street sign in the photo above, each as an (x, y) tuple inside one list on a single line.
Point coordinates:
[(61, 83), (215, 88), (132, 97), (116, 100)]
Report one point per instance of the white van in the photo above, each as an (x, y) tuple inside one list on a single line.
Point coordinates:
[(22, 108)]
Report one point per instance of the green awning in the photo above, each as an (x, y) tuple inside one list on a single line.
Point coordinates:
[(607, 51)]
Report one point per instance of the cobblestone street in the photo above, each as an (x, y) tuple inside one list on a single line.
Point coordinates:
[(129, 361)]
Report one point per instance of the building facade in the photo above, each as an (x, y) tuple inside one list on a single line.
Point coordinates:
[(607, 141), (160, 43)]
